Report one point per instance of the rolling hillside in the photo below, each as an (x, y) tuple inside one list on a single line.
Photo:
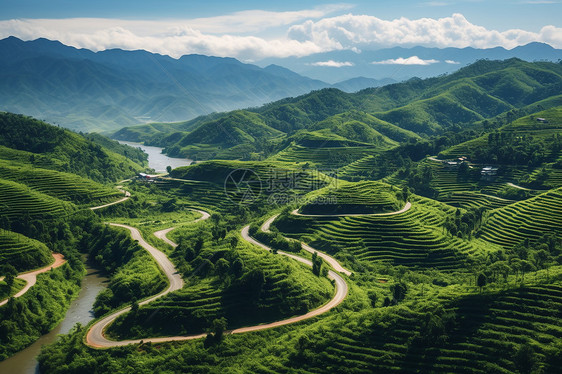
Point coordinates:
[(34, 142), (399, 112), (21, 252)]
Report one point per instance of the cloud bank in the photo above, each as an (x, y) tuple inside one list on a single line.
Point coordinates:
[(332, 63), (257, 34), (414, 60)]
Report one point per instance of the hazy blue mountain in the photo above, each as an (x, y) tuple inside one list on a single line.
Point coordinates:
[(360, 83), (449, 60), (107, 90)]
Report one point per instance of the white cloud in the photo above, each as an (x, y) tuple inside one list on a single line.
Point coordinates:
[(452, 62), (350, 30), (414, 60), (255, 34), (332, 63)]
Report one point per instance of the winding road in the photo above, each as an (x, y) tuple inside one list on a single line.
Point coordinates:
[(31, 276), (406, 207), (329, 259), (127, 196), (162, 233), (95, 336)]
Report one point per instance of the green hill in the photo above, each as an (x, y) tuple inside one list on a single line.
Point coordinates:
[(244, 284), (61, 185), (239, 131), (344, 197), (527, 219), (414, 238), (18, 201), (52, 147), (378, 117), (21, 252)]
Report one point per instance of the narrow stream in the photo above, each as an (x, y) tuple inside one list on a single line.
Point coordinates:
[(25, 362)]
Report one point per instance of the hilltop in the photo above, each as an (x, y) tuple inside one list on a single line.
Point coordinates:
[(475, 97)]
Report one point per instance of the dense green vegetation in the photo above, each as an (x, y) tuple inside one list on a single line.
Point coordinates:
[(64, 186), (452, 270), (21, 252), (25, 319), (134, 274), (55, 148), (226, 279), (478, 95)]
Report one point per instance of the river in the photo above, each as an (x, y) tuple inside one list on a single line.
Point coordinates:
[(25, 362), (157, 160)]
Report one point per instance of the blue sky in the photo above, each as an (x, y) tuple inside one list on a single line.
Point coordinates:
[(253, 30)]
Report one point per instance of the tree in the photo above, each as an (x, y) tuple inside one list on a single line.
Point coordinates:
[(219, 325), (221, 267), (316, 264), (134, 306), (373, 297), (481, 281), (525, 359), (399, 291), (11, 273), (168, 169)]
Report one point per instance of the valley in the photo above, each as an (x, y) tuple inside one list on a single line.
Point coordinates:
[(414, 227)]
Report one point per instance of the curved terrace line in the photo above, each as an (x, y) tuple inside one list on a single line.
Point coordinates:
[(404, 209)]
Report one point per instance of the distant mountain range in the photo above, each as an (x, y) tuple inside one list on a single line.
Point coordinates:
[(485, 94), (108, 90), (399, 63), (83, 90)]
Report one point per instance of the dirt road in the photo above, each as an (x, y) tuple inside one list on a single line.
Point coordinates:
[(31, 276)]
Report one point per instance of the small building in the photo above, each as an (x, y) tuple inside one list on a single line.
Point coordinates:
[(147, 177), (488, 172)]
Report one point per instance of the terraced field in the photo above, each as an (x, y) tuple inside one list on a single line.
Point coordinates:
[(325, 158), (525, 219), (17, 200), (369, 167), (480, 334), (470, 199), (22, 252), (414, 238), (288, 289), (64, 186), (347, 197)]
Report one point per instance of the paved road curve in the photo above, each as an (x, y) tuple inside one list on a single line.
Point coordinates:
[(127, 196), (162, 233), (95, 337), (31, 276)]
